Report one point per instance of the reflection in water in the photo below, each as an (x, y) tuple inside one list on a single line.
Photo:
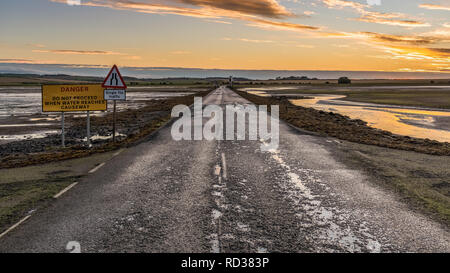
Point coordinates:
[(259, 93), (431, 124), (21, 114), (408, 121), (15, 137), (27, 101)]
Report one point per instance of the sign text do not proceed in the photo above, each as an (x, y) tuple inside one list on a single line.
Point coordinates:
[(73, 98)]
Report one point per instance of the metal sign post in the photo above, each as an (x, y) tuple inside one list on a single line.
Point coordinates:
[(114, 122), (73, 98), (116, 91), (62, 131), (88, 132), (115, 95)]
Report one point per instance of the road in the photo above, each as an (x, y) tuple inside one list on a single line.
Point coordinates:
[(228, 196)]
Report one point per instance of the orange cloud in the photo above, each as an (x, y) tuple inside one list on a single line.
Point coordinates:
[(19, 61), (279, 25), (393, 22), (434, 7), (266, 8), (415, 40), (393, 19), (339, 4), (249, 10), (78, 52), (26, 61)]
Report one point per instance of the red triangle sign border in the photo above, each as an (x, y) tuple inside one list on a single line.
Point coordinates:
[(123, 86)]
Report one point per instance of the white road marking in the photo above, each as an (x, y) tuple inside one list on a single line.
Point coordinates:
[(217, 170), (65, 190), (224, 166), (97, 168), (15, 226), (118, 152)]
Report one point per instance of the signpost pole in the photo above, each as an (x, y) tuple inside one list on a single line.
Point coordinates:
[(114, 122), (88, 135), (62, 131), (115, 89)]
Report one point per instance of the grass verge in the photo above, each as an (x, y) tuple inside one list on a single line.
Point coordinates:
[(420, 180)]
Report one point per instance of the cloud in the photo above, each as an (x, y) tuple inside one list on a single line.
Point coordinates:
[(370, 18), (267, 24), (441, 35), (280, 43), (445, 52), (416, 48), (265, 8), (219, 22), (415, 40), (393, 19), (78, 52), (255, 41), (431, 58), (36, 45), (246, 40), (20, 61), (434, 7), (305, 46), (340, 4), (132, 58), (200, 8), (26, 61), (253, 11)]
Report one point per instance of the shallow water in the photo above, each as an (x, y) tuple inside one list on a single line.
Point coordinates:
[(37, 134), (408, 121), (21, 114), (23, 101)]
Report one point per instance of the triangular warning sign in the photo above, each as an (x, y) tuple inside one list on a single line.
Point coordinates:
[(114, 79)]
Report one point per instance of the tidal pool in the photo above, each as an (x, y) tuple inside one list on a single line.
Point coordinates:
[(402, 120), (409, 121), (21, 114)]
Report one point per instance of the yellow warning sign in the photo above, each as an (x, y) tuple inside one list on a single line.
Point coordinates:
[(72, 98)]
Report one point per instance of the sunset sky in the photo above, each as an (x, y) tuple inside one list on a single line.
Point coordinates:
[(397, 35)]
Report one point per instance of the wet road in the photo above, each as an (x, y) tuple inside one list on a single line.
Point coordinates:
[(227, 196)]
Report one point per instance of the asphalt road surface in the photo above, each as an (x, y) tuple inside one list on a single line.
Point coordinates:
[(227, 196)]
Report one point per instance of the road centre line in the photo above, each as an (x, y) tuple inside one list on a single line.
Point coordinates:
[(14, 226), (97, 168), (118, 152), (65, 190), (224, 166)]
